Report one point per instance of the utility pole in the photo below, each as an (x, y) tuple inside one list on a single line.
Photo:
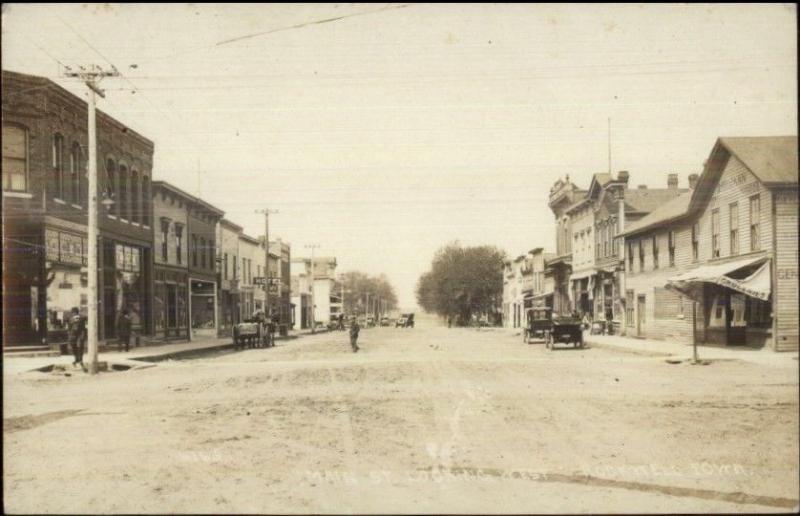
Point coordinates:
[(313, 305), (266, 212), (92, 77)]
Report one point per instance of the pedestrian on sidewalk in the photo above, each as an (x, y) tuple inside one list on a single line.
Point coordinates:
[(77, 336), (354, 329), (124, 326)]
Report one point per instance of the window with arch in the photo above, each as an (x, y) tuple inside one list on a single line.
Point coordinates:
[(111, 182), (122, 198), (75, 174), (136, 213), (203, 252), (58, 165), (146, 199), (15, 158)]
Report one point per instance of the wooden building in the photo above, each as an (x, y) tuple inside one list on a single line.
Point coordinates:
[(720, 263)]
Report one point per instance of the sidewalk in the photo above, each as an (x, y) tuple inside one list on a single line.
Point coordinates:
[(139, 355), (680, 350)]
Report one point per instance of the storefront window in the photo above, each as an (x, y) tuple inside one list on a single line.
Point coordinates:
[(129, 283)]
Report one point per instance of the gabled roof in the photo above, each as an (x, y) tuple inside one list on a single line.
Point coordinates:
[(772, 159), (667, 212), (599, 180), (646, 200)]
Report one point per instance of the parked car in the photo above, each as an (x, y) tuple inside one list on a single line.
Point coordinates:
[(385, 321), (405, 321), (539, 323)]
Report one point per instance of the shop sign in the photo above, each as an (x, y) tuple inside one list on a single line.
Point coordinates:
[(65, 247)]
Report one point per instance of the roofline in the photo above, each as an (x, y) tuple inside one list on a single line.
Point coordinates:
[(250, 239), (655, 225), (189, 197), (50, 84), (233, 225)]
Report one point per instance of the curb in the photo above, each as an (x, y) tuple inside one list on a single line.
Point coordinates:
[(642, 352)]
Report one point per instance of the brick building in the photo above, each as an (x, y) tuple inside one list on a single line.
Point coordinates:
[(45, 192), (723, 255)]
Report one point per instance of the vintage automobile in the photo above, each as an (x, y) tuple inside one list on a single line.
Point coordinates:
[(565, 330), (405, 321), (539, 324), (385, 321)]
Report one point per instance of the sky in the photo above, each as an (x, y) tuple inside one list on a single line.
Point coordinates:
[(396, 129)]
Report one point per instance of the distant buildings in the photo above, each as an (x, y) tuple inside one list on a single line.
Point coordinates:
[(326, 300)]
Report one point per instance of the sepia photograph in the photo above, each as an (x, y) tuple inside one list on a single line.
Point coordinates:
[(400, 258)]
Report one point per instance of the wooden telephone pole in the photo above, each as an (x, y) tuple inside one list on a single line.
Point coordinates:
[(92, 76)]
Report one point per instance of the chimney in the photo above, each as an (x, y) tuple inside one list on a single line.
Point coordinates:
[(642, 187), (623, 176), (672, 181), (693, 180)]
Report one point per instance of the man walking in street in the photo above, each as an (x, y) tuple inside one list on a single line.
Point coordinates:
[(77, 336), (124, 326), (354, 329)]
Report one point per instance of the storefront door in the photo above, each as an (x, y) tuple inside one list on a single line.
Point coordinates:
[(736, 326), (641, 307), (172, 306)]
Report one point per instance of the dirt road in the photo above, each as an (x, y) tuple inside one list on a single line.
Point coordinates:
[(421, 420)]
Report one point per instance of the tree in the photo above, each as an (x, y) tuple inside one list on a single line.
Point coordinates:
[(356, 287), (462, 282)]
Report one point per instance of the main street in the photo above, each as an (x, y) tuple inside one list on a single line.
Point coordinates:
[(428, 419)]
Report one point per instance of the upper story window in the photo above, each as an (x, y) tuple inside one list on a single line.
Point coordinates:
[(146, 199), (58, 165), (15, 158), (734, 223), (641, 255), (655, 252), (111, 181), (671, 246), (179, 243), (715, 233), (194, 250), (164, 239), (122, 198), (202, 252), (630, 256), (755, 223), (75, 174), (224, 265), (210, 250), (135, 198), (695, 241)]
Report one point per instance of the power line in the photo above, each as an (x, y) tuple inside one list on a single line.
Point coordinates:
[(307, 24), (135, 88), (272, 31)]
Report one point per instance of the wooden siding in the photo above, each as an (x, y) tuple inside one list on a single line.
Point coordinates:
[(737, 184), (785, 282)]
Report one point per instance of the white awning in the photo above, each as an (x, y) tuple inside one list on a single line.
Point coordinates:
[(575, 276), (757, 284)]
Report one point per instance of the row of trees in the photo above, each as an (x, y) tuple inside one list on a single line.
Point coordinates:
[(356, 287), (463, 282)]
